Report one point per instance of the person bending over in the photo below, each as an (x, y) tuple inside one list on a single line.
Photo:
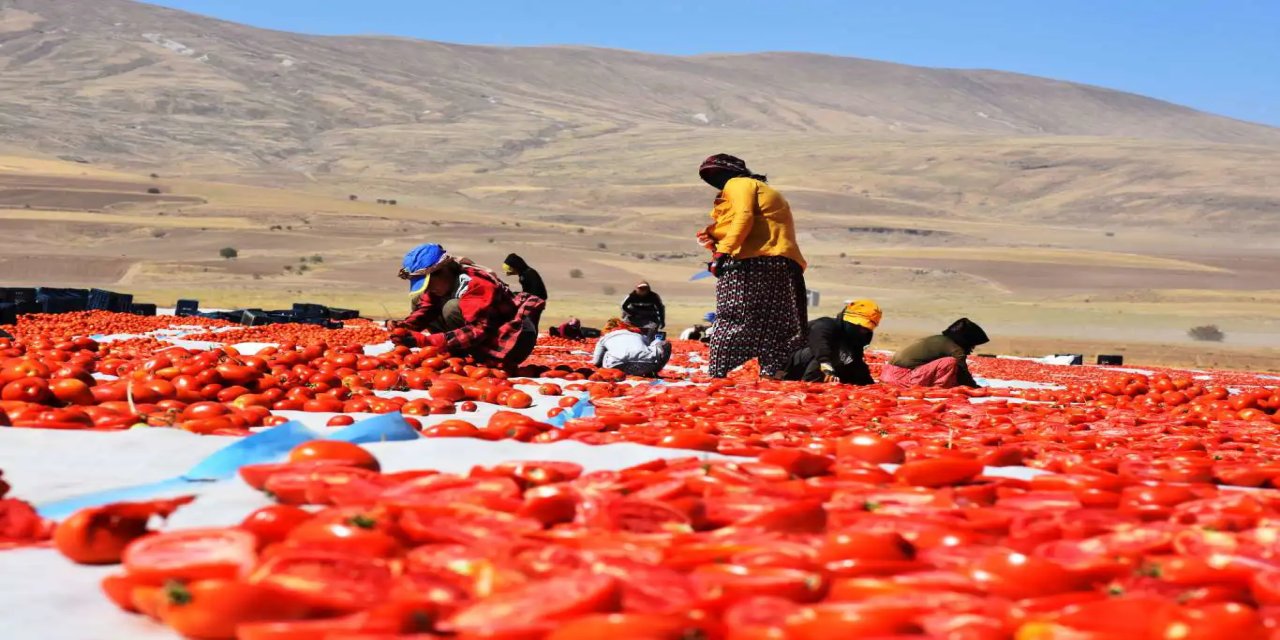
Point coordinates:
[(466, 310), (937, 361), (629, 349), (834, 352)]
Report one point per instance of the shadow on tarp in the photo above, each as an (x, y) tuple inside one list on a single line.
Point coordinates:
[(265, 446)]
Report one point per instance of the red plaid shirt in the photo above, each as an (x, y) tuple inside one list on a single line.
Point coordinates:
[(494, 317)]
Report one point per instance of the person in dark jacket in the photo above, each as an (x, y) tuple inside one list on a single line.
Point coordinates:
[(643, 308), (530, 281), (834, 351), (937, 361)]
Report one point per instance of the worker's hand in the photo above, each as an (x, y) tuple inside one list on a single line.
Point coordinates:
[(828, 373), (706, 241), (717, 263), (406, 338), (432, 340)]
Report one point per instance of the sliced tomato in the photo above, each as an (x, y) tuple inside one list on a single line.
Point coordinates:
[(190, 554), (539, 603), (332, 581), (726, 583)]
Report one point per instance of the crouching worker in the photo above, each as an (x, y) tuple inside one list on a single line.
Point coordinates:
[(466, 310), (937, 361), (834, 351), (570, 330), (631, 350)]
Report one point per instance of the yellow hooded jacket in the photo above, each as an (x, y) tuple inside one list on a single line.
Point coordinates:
[(751, 219)]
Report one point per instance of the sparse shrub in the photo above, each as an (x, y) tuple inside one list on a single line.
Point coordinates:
[(257, 276), (1206, 333), (640, 256), (157, 233), (317, 259), (155, 176), (353, 197), (610, 290), (435, 223), (382, 201), (581, 230), (391, 202), (302, 259), (517, 224), (844, 255), (1111, 234), (154, 191), (576, 274), (288, 267), (491, 240), (303, 268), (602, 246), (228, 253)]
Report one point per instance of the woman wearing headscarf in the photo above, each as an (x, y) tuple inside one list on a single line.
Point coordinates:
[(937, 361), (530, 280), (467, 310), (630, 349), (761, 305)]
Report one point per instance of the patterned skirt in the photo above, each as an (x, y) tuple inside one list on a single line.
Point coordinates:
[(761, 313)]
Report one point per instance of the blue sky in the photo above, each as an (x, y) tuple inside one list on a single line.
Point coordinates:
[(1217, 55)]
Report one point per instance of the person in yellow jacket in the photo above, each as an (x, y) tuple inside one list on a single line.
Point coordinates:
[(761, 304)]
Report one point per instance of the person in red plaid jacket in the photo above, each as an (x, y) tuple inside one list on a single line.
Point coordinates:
[(466, 310)]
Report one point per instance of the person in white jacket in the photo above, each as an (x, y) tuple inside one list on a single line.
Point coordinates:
[(630, 350)]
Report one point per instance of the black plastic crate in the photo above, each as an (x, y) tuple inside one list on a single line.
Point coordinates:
[(102, 300), (258, 318), (319, 322), (1111, 360), (308, 310), (62, 292), (8, 313), (229, 316), (142, 309), (62, 304), (343, 314), (187, 308), (18, 295)]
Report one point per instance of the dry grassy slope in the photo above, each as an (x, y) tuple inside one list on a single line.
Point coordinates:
[(132, 84)]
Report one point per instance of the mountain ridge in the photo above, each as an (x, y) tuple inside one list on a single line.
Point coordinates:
[(293, 87)]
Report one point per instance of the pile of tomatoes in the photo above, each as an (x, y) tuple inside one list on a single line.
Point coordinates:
[(76, 383), (794, 545)]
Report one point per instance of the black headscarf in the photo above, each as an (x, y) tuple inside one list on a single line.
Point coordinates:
[(967, 334), (722, 167), (516, 263)]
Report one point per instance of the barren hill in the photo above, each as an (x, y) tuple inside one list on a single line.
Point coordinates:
[(129, 82), (1048, 209)]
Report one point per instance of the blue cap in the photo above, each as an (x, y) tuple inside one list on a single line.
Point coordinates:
[(710, 317), (423, 256)]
